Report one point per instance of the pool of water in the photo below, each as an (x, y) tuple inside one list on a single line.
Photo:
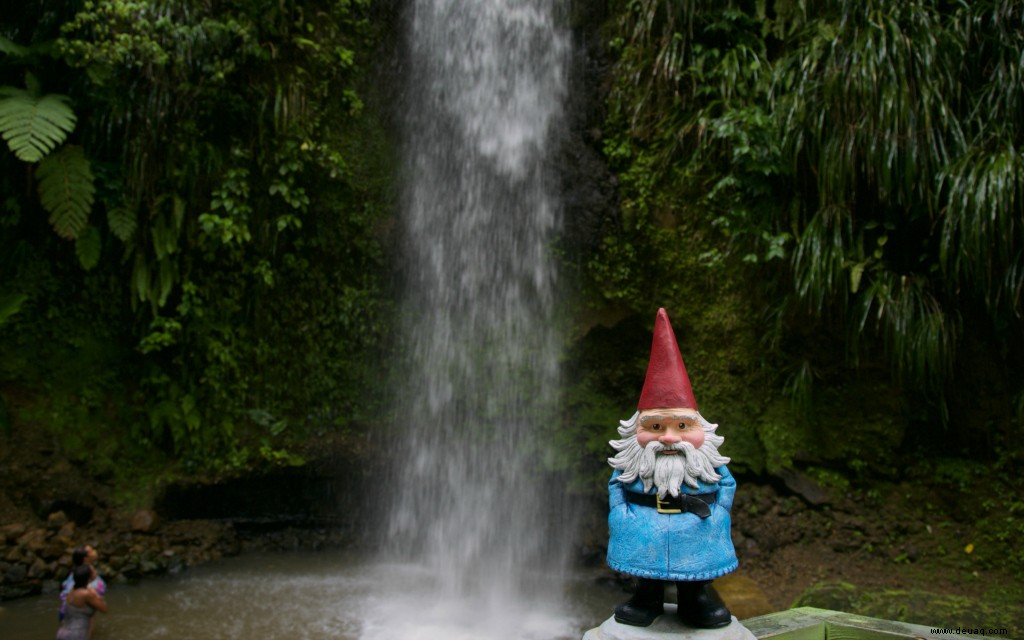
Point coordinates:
[(327, 594)]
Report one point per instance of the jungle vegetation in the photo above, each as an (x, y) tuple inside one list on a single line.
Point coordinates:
[(191, 198), (831, 195), (196, 203), (859, 164)]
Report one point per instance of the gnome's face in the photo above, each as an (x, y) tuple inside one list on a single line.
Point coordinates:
[(667, 448), (669, 427)]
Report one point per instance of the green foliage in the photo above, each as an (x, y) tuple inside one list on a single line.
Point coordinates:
[(234, 255), (856, 162), (34, 125), (981, 229), (122, 222), (913, 206), (10, 304), (87, 248), (12, 48), (66, 190)]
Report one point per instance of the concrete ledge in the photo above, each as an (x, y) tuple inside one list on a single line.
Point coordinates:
[(807, 623)]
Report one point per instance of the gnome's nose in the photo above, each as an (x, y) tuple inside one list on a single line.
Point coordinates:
[(669, 438)]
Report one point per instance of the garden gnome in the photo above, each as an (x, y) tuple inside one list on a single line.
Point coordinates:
[(670, 497)]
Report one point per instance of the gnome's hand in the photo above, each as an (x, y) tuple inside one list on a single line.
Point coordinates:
[(726, 488), (616, 493)]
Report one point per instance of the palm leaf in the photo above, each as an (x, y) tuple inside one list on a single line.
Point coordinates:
[(66, 190), (34, 125)]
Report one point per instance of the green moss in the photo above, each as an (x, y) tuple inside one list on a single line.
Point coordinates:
[(917, 606)]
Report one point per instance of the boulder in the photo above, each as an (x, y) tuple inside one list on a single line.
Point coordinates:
[(11, 532), (56, 520), (145, 521), (67, 530), (34, 540)]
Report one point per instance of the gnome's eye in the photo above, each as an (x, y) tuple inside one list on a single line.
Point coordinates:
[(655, 427)]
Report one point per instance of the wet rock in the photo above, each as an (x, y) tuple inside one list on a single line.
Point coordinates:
[(837, 596), (33, 539), (12, 532), (805, 487), (15, 574), (38, 569), (56, 520), (145, 521), (743, 596), (55, 548)]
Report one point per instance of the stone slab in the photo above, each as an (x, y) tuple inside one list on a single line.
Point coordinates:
[(808, 623), (667, 627)]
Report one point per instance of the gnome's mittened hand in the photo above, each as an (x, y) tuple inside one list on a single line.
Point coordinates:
[(616, 493), (726, 488)]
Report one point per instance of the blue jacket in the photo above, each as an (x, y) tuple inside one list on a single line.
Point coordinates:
[(680, 546)]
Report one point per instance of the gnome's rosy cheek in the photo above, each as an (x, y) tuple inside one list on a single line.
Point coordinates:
[(644, 438), (694, 435)]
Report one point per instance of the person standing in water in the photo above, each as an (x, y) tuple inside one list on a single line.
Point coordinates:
[(81, 605), (82, 555)]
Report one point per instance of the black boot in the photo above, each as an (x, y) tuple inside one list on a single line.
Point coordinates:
[(647, 603), (700, 606)]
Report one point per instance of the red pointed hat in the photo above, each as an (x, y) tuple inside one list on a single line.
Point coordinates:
[(666, 385)]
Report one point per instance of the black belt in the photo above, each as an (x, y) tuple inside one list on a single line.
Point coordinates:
[(683, 503)]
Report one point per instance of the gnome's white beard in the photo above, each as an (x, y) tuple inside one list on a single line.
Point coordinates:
[(667, 472)]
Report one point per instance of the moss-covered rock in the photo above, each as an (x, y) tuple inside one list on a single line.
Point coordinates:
[(917, 606)]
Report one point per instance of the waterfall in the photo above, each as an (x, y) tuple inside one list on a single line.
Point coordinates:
[(478, 392)]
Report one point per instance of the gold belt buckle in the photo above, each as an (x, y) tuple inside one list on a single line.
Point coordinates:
[(665, 509)]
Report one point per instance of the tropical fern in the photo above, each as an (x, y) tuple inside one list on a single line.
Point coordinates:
[(34, 125), (122, 222), (66, 190), (87, 247)]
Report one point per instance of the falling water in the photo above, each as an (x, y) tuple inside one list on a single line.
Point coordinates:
[(485, 86)]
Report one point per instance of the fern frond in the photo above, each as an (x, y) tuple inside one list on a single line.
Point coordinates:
[(87, 248), (66, 190), (34, 125), (122, 222)]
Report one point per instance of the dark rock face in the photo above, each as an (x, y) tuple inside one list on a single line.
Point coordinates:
[(587, 187)]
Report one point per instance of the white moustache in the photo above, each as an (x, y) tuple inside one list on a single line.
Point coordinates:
[(682, 446)]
